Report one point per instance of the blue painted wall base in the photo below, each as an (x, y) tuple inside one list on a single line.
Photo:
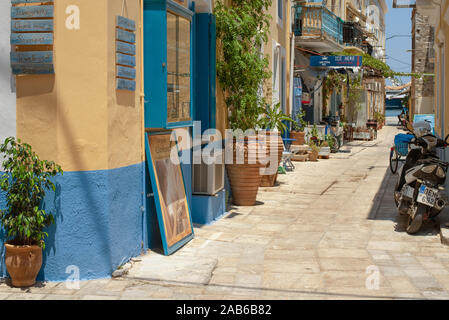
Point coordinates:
[(207, 209), (99, 223)]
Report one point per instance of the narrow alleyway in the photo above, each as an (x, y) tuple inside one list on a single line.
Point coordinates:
[(322, 233)]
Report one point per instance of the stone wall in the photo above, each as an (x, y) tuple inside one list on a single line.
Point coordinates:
[(423, 62)]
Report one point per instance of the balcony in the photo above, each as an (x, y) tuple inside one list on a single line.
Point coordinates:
[(317, 28), (352, 34)]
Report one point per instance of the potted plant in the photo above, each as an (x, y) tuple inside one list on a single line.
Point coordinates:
[(273, 121), (25, 182), (313, 135), (380, 118), (297, 132), (326, 146), (241, 71), (315, 150)]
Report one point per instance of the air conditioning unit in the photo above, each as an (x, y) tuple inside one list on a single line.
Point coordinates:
[(208, 179)]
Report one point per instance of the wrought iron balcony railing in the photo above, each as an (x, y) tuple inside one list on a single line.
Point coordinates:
[(317, 21), (353, 34)]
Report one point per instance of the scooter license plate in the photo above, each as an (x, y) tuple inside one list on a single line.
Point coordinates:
[(427, 196), (408, 191)]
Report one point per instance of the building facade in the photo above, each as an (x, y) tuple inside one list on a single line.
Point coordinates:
[(355, 27), (122, 73), (423, 61)]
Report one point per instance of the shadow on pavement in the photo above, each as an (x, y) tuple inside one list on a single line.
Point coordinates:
[(384, 208)]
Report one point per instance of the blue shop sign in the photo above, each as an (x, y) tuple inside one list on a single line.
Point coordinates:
[(336, 61)]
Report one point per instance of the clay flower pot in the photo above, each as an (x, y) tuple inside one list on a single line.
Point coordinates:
[(299, 137), (245, 178), (23, 264), (313, 155), (273, 142)]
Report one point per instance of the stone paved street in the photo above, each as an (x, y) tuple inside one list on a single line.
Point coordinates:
[(322, 233)]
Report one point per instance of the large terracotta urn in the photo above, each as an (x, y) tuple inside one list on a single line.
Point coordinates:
[(23, 264), (274, 149), (244, 173)]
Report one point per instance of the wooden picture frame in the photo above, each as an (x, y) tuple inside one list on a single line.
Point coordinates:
[(173, 210)]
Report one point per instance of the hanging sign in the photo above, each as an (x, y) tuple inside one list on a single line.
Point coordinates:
[(173, 211), (125, 54), (31, 34), (336, 61)]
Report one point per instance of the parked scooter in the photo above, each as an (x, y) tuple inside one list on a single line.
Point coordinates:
[(420, 191), (336, 132)]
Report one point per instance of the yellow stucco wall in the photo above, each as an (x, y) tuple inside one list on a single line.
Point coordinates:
[(76, 117), (125, 112), (281, 34)]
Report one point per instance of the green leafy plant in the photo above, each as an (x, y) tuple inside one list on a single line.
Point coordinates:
[(299, 117), (380, 117), (242, 70), (25, 181), (315, 146), (273, 119), (330, 140), (313, 135)]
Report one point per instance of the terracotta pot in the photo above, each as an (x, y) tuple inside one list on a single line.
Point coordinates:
[(273, 142), (313, 156), (245, 178), (23, 264), (299, 136)]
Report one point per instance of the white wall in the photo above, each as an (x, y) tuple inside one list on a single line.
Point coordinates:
[(7, 90)]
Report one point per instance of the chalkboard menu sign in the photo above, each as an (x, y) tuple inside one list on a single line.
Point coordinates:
[(125, 54), (32, 37)]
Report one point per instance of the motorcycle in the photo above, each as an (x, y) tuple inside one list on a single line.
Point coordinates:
[(420, 191)]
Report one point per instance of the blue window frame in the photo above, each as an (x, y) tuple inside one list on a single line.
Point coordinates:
[(168, 51)]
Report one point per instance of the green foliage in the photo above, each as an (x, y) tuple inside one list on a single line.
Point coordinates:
[(330, 140), (273, 119), (299, 124), (334, 81), (380, 117), (314, 132), (242, 29), (314, 146), (25, 182), (387, 72)]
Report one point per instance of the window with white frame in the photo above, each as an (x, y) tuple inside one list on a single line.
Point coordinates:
[(280, 14), (279, 76)]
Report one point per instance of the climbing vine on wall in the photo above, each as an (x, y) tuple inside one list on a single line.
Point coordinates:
[(242, 70)]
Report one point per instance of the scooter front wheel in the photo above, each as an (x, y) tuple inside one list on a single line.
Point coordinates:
[(394, 161), (415, 221)]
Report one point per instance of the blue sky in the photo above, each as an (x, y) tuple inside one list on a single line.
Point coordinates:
[(398, 22)]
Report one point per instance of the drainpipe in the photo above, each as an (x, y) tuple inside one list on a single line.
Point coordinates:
[(292, 64)]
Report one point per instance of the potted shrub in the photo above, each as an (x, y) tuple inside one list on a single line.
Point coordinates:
[(326, 146), (297, 132), (313, 135), (25, 182), (241, 71), (315, 150), (273, 123), (380, 118)]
